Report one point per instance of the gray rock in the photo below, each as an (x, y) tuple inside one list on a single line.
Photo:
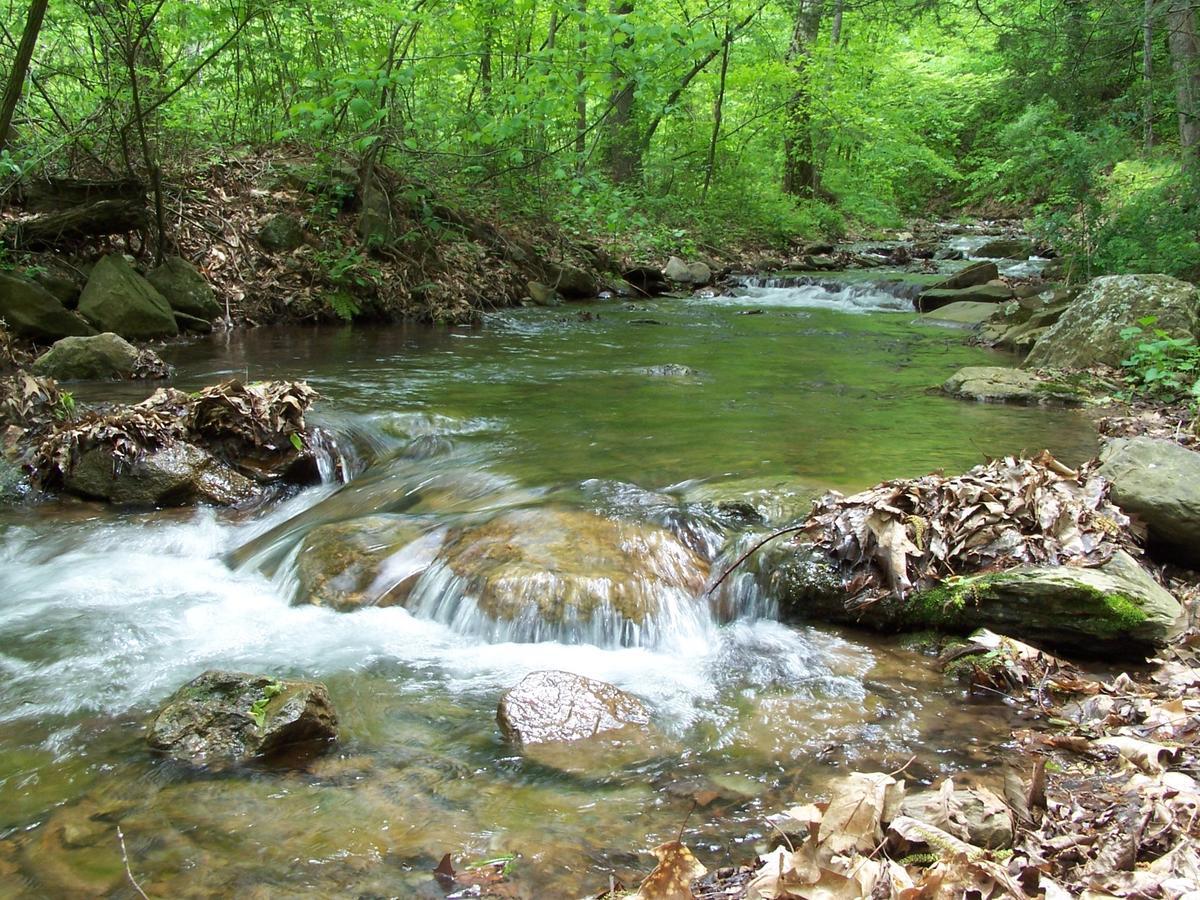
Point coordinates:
[(1159, 482), (1006, 248), (935, 298), (13, 483), (99, 358), (559, 706), (973, 275), (179, 475), (571, 281), (1089, 331), (1116, 609), (185, 289), (33, 312), (281, 234), (119, 299), (962, 312), (996, 384), (669, 370), (226, 718), (64, 281), (694, 273), (343, 565), (543, 295)]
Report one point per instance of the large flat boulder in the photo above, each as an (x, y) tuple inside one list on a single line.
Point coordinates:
[(962, 312), (185, 289), (1115, 609), (33, 312), (970, 276), (997, 384), (1159, 482), (1089, 331), (1006, 248), (224, 718), (177, 475), (98, 358), (559, 706), (118, 299)]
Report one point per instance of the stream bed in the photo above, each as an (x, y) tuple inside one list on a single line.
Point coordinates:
[(774, 394)]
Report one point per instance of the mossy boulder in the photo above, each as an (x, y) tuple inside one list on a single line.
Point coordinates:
[(1159, 482), (962, 312), (118, 299), (543, 294), (1089, 332), (224, 718), (98, 358), (571, 281), (177, 475), (185, 289), (996, 384), (281, 234), (569, 574), (33, 312), (359, 563), (1116, 609)]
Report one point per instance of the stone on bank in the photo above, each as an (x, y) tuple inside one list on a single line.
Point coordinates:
[(1158, 481)]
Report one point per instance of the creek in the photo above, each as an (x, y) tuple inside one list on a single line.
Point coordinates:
[(787, 391)]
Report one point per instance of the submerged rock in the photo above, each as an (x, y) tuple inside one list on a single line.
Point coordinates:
[(1089, 331), (223, 718), (1159, 482), (996, 384), (177, 475), (567, 574), (669, 370), (559, 706), (33, 312), (344, 565), (118, 299), (1115, 609), (98, 358)]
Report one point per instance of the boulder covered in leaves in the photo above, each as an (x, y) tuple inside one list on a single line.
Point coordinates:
[(1025, 546), (223, 718), (118, 299), (102, 357)]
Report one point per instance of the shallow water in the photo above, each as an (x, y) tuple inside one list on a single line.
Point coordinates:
[(103, 614)]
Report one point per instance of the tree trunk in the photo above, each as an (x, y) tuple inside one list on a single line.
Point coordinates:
[(1148, 75), (16, 78), (835, 30), (1185, 61), (581, 123), (624, 161), (718, 111), (800, 177)]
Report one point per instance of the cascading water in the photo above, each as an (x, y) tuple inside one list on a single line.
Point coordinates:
[(544, 432)]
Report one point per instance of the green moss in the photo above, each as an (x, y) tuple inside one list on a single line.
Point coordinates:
[(945, 605), (1120, 614)]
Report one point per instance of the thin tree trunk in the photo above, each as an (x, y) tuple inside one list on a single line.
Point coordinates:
[(1185, 61), (581, 123), (800, 177), (835, 30), (1148, 75), (16, 78), (717, 113)]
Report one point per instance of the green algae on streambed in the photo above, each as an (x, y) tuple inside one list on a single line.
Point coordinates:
[(105, 613)]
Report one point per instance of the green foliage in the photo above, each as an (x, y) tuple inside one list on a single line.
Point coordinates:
[(1160, 367), (64, 406), (258, 709)]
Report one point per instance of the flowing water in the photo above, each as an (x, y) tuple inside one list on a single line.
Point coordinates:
[(786, 391)]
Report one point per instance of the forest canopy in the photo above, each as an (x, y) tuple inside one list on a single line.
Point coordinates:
[(659, 124)]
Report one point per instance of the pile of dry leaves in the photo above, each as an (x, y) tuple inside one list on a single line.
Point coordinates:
[(1172, 423), (913, 533), (231, 417)]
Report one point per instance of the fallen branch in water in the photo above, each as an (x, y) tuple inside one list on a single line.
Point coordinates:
[(745, 556), (129, 872)]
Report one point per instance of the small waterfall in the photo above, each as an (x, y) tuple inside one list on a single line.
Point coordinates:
[(816, 292)]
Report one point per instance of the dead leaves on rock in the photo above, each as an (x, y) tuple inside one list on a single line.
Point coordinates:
[(264, 414), (910, 534)]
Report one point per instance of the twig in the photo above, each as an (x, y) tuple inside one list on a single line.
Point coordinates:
[(741, 559), (129, 872)]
